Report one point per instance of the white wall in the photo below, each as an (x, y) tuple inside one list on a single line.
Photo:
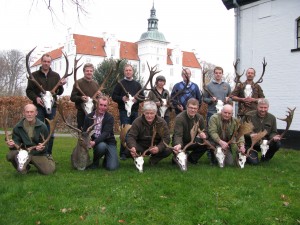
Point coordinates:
[(268, 29)]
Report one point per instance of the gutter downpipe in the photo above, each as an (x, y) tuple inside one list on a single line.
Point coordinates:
[(237, 11)]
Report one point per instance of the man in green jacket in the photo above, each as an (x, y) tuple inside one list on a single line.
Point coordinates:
[(221, 130), (29, 132)]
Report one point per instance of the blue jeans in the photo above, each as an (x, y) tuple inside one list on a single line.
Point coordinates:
[(109, 151), (124, 119), (42, 114)]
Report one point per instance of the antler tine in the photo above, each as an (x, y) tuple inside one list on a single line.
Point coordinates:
[(30, 76), (153, 71), (75, 75), (256, 138), (244, 128), (193, 134), (60, 110), (107, 76), (90, 128), (288, 120), (248, 153), (65, 75), (204, 72), (237, 75), (263, 72)]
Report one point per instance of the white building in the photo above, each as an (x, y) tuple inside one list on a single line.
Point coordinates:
[(271, 29), (152, 47)]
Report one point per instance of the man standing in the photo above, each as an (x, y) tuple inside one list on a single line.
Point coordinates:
[(120, 96), (221, 129), (247, 103), (89, 87), (29, 132), (48, 79), (217, 89), (262, 120), (103, 140), (191, 91), (184, 123), (149, 132)]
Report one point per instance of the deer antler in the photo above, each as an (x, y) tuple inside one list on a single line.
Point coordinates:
[(53, 91), (75, 75), (237, 75), (193, 134), (256, 138), (263, 72), (244, 128), (107, 76), (288, 120), (30, 76), (153, 71), (204, 72), (52, 124)]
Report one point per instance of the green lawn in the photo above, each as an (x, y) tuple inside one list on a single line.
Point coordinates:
[(265, 194)]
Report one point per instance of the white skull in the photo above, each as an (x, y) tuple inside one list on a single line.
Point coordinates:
[(181, 159), (220, 156), (22, 158), (48, 101), (242, 160), (219, 106), (128, 105), (264, 147), (163, 108), (139, 162), (248, 91), (89, 105)]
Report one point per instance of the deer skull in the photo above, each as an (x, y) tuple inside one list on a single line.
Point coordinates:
[(48, 101), (248, 91), (241, 160), (181, 159), (128, 105), (220, 156), (22, 158), (163, 108), (219, 106), (89, 105), (264, 147), (139, 162)]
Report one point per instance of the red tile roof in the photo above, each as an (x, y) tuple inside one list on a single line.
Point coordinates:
[(88, 45)]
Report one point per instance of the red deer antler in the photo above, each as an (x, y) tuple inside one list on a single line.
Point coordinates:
[(263, 72), (53, 91), (204, 72), (30, 76), (237, 75)]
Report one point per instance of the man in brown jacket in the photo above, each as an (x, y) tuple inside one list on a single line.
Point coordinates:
[(148, 133), (184, 122)]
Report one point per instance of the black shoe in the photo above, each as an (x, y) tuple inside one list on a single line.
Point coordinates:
[(123, 157), (92, 167)]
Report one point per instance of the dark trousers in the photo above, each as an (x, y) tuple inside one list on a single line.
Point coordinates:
[(80, 118), (195, 152), (253, 158), (124, 119), (42, 114)]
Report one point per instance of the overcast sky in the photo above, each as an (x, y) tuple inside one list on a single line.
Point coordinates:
[(206, 26)]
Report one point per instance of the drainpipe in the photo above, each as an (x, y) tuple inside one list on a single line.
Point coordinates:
[(237, 11)]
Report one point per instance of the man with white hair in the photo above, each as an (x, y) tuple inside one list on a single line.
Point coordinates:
[(29, 132), (262, 120), (221, 128), (148, 133)]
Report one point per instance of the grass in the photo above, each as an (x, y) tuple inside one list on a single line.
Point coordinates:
[(264, 194)]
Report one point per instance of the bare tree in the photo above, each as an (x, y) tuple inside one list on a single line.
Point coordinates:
[(11, 73), (52, 6)]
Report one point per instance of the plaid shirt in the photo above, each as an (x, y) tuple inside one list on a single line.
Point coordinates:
[(98, 127)]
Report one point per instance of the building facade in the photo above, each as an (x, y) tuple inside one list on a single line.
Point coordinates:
[(151, 48), (270, 29)]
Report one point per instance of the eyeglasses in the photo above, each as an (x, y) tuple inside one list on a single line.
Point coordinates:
[(192, 108)]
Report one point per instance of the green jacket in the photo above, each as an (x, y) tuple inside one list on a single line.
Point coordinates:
[(267, 123), (183, 126), (20, 136), (215, 130)]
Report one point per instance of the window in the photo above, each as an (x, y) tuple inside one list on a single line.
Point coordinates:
[(298, 33), (297, 36)]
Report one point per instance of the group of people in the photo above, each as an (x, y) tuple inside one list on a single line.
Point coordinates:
[(149, 133)]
